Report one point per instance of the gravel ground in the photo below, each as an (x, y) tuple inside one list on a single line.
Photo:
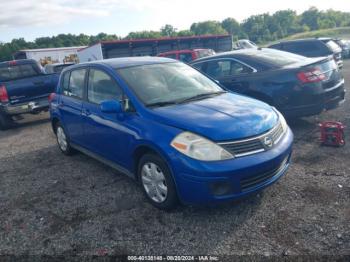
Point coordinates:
[(56, 205)]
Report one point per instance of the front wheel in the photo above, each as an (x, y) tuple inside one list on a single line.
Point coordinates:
[(62, 140), (157, 182)]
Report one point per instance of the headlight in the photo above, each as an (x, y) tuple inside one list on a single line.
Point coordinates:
[(199, 148), (283, 122), (281, 119)]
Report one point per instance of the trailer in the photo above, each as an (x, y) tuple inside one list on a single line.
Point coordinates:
[(50, 55), (152, 47)]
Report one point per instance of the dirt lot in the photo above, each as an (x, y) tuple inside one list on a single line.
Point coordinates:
[(56, 205)]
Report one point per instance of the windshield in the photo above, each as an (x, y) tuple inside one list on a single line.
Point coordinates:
[(168, 82)]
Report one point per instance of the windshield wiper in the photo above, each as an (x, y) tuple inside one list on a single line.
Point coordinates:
[(201, 96), (162, 103)]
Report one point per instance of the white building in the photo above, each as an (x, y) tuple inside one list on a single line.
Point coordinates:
[(50, 55)]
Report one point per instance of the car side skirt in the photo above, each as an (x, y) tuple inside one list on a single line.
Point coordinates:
[(104, 161)]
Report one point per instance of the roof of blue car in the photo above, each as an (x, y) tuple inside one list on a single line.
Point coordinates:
[(134, 61)]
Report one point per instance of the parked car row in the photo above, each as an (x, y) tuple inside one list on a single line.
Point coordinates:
[(204, 131), (345, 46), (178, 133)]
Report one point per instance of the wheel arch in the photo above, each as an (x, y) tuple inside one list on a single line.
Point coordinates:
[(54, 122), (143, 149)]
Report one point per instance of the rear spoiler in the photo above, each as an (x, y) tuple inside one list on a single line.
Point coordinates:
[(309, 62)]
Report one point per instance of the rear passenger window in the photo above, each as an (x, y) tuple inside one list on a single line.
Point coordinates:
[(76, 84), (102, 87), (223, 68), (65, 82)]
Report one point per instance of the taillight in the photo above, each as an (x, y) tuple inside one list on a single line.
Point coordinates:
[(4, 98), (311, 76), (51, 97)]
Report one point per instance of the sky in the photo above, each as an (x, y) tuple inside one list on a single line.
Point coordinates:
[(36, 18)]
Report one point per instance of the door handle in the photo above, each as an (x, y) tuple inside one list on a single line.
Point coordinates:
[(38, 83), (86, 112)]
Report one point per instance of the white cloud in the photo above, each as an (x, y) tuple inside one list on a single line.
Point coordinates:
[(153, 13), (16, 13)]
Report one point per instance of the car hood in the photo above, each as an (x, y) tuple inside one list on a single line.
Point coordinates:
[(224, 117)]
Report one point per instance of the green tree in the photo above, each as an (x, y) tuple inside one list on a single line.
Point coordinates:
[(310, 18), (231, 26), (185, 33), (143, 35), (168, 30), (207, 28)]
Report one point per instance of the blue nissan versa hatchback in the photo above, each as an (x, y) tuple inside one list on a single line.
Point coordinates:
[(177, 132)]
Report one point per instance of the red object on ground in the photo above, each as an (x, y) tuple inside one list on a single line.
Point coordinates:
[(332, 133)]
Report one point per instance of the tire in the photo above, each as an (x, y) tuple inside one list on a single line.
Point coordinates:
[(5, 121), (62, 140), (157, 182)]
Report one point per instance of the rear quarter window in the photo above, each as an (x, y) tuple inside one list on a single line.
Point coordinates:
[(65, 81), (75, 87)]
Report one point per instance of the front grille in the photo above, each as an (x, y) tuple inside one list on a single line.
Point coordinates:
[(254, 145), (252, 182), (242, 148)]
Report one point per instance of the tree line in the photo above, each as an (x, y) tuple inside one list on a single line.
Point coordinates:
[(258, 28)]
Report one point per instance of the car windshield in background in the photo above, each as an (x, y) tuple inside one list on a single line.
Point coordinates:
[(13, 72), (333, 46), (204, 53), (162, 84), (277, 58)]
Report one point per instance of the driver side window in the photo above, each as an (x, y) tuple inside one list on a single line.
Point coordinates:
[(102, 87)]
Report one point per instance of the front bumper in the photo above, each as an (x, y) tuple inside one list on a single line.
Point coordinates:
[(207, 182), (316, 103), (27, 107)]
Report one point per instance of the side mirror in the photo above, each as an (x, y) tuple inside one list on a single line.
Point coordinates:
[(111, 106)]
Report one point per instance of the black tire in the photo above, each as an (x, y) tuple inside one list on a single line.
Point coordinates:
[(67, 149), (5, 121), (171, 199)]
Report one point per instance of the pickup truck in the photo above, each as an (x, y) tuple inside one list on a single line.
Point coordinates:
[(24, 88)]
